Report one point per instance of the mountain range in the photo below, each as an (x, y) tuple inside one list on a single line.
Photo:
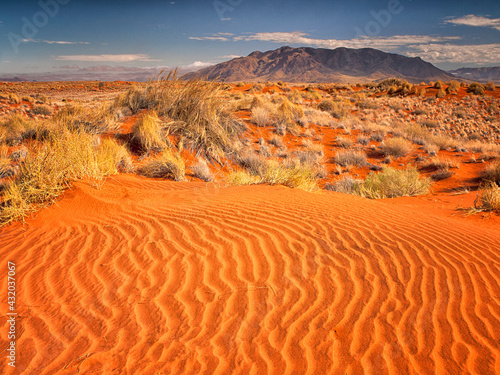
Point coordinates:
[(479, 74), (305, 64)]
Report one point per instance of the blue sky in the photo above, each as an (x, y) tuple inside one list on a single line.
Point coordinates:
[(51, 35)]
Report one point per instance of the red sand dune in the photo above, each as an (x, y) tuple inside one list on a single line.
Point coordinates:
[(156, 277)]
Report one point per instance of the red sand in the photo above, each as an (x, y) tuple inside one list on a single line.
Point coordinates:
[(157, 277)]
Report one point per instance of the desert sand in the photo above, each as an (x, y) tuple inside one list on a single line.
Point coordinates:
[(158, 277)]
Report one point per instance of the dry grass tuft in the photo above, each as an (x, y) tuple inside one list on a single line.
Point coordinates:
[(488, 197), (147, 132), (46, 173), (396, 147), (167, 165), (392, 183), (350, 158), (197, 110)]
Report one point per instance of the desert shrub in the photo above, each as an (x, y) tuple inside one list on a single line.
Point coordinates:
[(392, 183), (430, 124), (13, 98), (350, 158), (42, 109), (396, 147), (147, 132), (260, 116), (441, 174), (488, 197), (254, 164), (377, 137), (441, 93), (47, 172), (489, 86), (295, 97), (362, 140), (438, 85), (197, 110), (344, 142), (317, 117), (293, 175), (453, 86), (442, 141), (14, 129), (168, 165), (492, 172), (93, 121), (335, 109), (476, 88), (276, 141), (114, 158), (347, 185), (202, 171), (290, 112)]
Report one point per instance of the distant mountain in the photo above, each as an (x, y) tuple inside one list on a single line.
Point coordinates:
[(478, 74), (322, 65)]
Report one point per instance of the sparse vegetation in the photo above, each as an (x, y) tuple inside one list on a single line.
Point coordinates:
[(391, 183), (168, 165), (396, 147)]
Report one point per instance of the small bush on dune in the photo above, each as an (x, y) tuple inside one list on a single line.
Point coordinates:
[(347, 185), (46, 173), (260, 116), (167, 165), (396, 147), (290, 112), (489, 86), (197, 109), (147, 132), (392, 183), (476, 88), (42, 109), (350, 158), (14, 129), (488, 197), (78, 118), (202, 171), (492, 172)]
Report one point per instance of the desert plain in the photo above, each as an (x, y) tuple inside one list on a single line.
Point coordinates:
[(175, 227)]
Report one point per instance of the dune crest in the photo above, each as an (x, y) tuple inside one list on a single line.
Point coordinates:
[(146, 277)]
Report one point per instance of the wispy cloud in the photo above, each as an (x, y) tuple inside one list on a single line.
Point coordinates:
[(106, 58), (52, 41), (217, 36), (478, 21), (438, 53), (298, 37), (222, 38)]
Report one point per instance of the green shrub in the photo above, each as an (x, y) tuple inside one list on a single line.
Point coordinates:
[(392, 183)]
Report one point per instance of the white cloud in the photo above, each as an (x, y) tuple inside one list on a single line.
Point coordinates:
[(438, 53), (298, 37), (222, 38), (230, 56), (52, 41), (195, 66), (478, 21), (108, 58)]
